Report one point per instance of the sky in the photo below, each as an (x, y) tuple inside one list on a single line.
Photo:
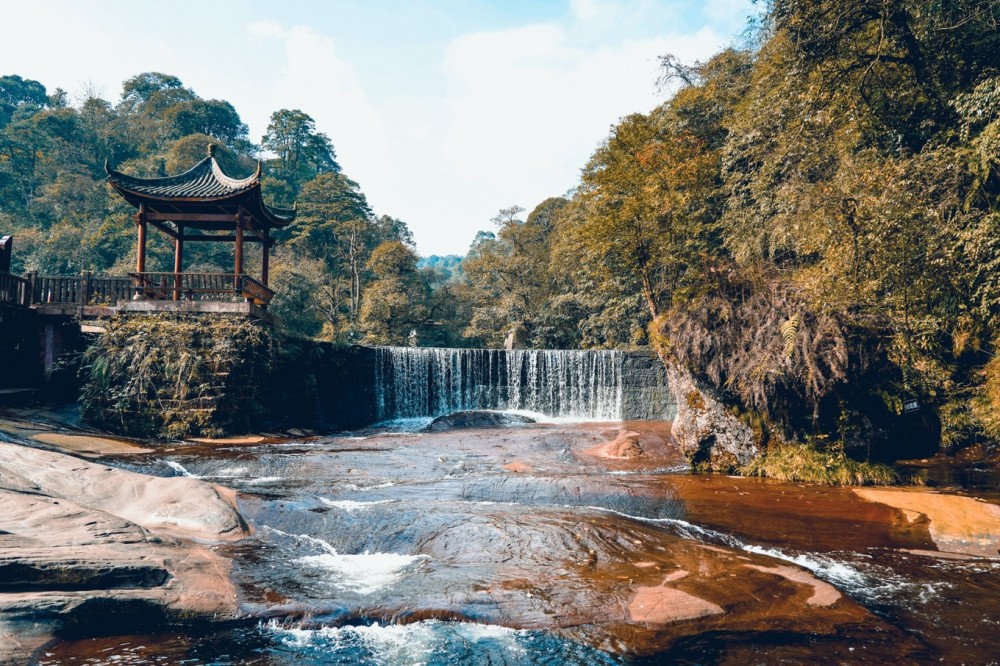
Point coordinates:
[(444, 111)]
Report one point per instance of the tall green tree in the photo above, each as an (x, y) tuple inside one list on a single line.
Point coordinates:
[(302, 152), (394, 310)]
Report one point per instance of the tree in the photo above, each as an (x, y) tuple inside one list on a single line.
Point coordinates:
[(648, 193), (395, 302), (302, 152), (216, 118), (138, 90), (16, 92)]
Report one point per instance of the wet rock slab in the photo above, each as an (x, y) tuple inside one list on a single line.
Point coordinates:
[(808, 517), (624, 586), (477, 419), (958, 525), (86, 548)]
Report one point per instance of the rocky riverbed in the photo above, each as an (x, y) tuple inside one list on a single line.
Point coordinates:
[(533, 543)]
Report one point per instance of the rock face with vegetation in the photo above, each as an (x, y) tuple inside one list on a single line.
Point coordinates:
[(707, 431), (173, 375)]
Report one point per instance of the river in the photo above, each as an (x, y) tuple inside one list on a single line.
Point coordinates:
[(517, 546), (582, 539)]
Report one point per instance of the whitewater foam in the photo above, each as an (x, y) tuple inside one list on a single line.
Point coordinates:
[(351, 506), (265, 479), (365, 573), (362, 573), (410, 644), (180, 469)]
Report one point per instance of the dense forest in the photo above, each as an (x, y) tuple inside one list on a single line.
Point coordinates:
[(808, 227)]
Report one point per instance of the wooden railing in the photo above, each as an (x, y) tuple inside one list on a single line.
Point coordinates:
[(14, 289), (200, 287), (78, 290), (92, 290)]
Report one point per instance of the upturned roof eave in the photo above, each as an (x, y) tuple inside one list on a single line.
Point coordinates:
[(245, 192), (209, 163)]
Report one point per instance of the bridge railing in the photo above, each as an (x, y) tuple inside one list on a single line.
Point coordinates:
[(14, 289), (78, 289), (89, 289)]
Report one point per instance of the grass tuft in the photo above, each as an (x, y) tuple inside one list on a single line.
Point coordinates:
[(807, 464)]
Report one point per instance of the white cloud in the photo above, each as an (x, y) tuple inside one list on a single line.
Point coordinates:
[(529, 105), (731, 14), (309, 74), (588, 10)]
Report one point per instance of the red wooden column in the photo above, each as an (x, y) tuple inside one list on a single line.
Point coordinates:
[(239, 250), (265, 257), (178, 261), (140, 220), (140, 260)]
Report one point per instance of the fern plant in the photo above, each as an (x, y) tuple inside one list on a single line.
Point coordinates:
[(790, 331)]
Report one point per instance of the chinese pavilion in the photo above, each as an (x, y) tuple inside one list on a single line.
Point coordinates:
[(203, 204)]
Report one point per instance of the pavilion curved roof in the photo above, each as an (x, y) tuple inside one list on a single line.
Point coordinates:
[(204, 188)]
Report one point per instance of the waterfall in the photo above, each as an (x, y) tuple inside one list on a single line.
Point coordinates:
[(421, 382)]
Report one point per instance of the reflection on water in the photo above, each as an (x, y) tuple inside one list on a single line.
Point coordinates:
[(958, 477)]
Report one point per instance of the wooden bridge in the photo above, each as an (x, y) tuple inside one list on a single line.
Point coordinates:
[(96, 295)]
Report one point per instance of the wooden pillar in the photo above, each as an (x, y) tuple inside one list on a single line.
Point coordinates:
[(140, 253), (265, 257), (140, 219), (239, 250), (178, 261)]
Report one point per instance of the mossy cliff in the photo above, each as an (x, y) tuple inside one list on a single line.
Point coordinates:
[(172, 376)]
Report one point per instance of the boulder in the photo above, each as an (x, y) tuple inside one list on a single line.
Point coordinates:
[(477, 419), (708, 432), (87, 549)]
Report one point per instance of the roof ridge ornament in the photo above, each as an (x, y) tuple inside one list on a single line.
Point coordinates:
[(211, 150)]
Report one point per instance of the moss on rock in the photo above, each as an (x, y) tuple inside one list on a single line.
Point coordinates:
[(170, 375)]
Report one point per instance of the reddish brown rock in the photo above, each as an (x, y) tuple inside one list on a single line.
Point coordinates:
[(624, 446), (81, 543), (962, 525)]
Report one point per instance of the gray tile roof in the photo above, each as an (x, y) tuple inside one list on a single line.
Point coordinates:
[(204, 183)]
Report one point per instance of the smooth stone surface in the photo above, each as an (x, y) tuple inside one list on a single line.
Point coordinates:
[(90, 446), (84, 547), (626, 445), (181, 506), (957, 524)]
